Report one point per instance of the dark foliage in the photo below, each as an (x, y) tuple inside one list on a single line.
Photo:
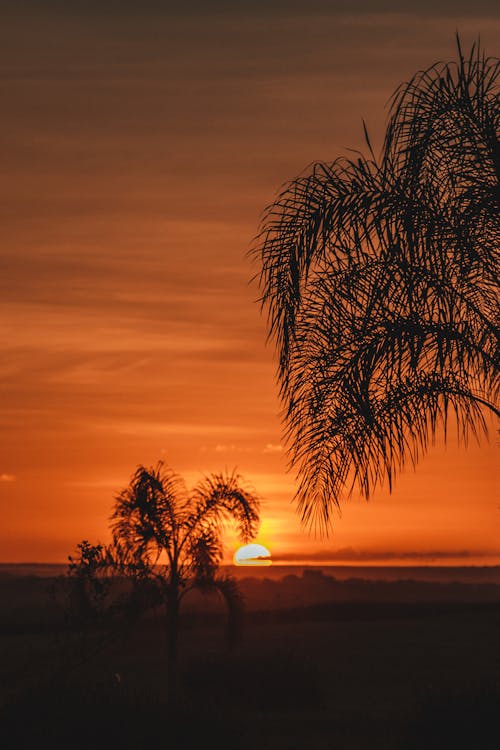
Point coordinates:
[(380, 279), (166, 542), (109, 718)]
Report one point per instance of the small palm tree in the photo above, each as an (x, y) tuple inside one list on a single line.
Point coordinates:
[(380, 277), (169, 541)]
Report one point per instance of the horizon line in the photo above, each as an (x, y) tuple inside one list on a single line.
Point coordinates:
[(312, 564)]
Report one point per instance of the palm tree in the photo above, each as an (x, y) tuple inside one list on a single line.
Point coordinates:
[(380, 280), (168, 541)]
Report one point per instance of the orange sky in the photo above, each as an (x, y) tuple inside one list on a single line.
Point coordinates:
[(139, 148)]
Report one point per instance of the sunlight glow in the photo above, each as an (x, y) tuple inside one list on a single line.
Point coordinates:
[(252, 554)]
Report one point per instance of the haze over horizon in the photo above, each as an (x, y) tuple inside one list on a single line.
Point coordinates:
[(141, 146)]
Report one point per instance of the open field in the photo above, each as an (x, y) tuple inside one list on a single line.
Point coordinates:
[(355, 672)]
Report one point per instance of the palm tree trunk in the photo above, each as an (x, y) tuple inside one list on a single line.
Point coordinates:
[(172, 645)]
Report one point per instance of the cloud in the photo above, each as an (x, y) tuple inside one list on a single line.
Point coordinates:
[(349, 554), (272, 448), (7, 478), (189, 429)]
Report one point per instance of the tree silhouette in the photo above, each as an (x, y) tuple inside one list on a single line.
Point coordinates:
[(380, 280), (168, 541), (88, 592)]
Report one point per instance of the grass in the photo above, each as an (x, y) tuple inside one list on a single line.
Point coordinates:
[(341, 677)]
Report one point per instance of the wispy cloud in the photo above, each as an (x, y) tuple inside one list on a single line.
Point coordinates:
[(225, 448), (7, 477), (273, 448), (349, 554), (182, 428)]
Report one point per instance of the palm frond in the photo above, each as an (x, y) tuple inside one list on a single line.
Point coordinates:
[(146, 512), (222, 498), (202, 554), (381, 285)]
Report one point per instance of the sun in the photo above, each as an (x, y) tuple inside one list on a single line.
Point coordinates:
[(252, 554)]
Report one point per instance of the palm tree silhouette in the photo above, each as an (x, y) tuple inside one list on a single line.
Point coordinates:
[(380, 280), (168, 541)]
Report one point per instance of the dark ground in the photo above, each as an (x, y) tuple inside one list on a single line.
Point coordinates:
[(360, 666)]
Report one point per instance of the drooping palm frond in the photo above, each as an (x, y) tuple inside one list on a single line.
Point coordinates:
[(221, 498), (123, 560), (202, 554), (327, 214), (381, 283), (146, 513)]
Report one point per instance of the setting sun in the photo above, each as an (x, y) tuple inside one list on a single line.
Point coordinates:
[(252, 554)]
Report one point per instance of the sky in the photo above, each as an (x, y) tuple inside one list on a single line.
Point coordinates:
[(141, 143)]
